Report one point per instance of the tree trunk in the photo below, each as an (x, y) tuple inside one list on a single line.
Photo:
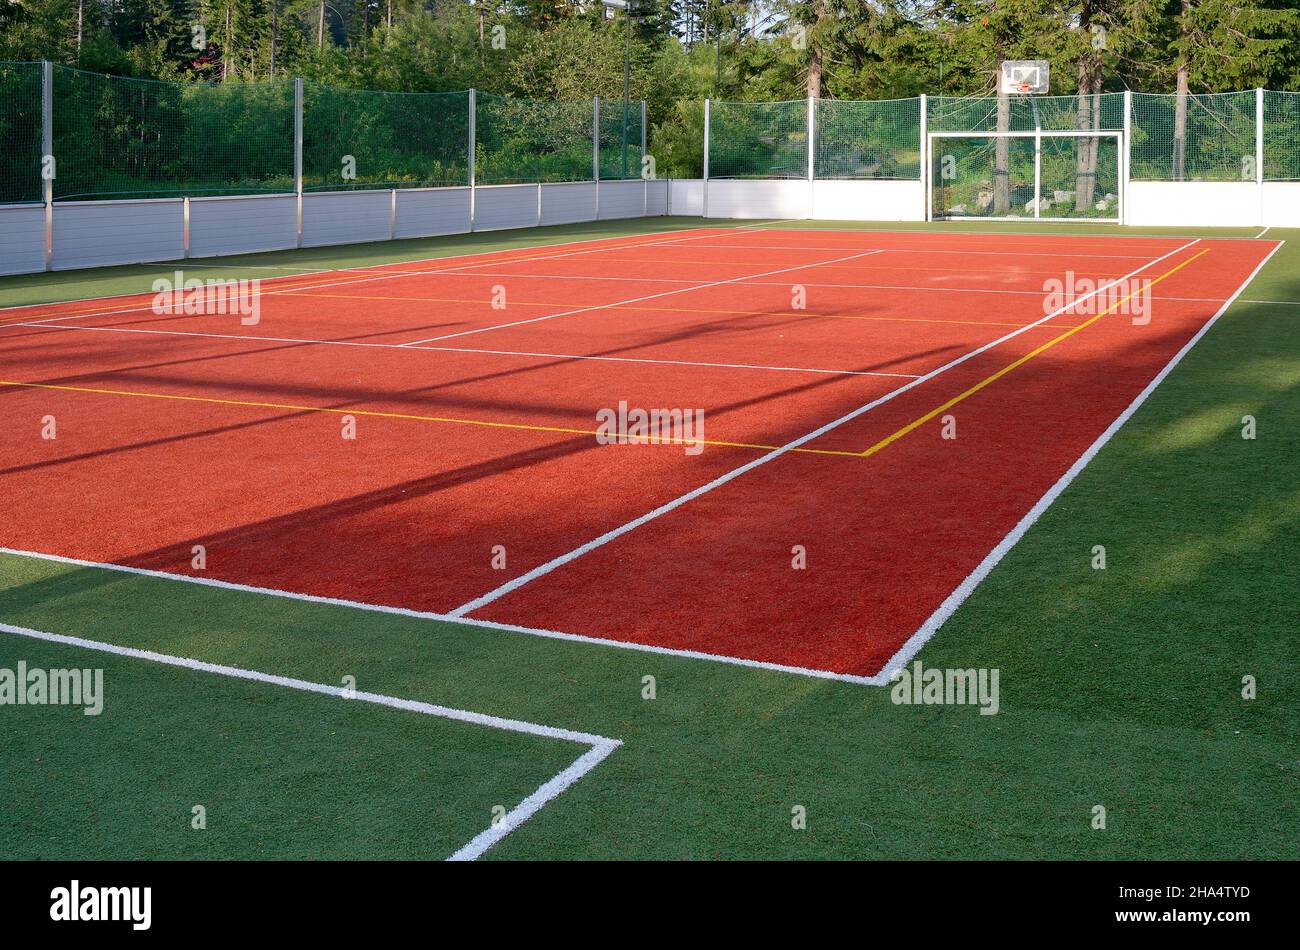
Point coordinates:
[(1002, 157), (1180, 105), (815, 59), (275, 32), (227, 44), (81, 14), (320, 27)]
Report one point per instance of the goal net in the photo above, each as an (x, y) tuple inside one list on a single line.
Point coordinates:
[(1048, 176)]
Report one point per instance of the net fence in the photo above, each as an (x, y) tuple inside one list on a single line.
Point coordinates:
[(116, 137), (987, 176), (119, 137), (868, 139), (20, 132), (1282, 136), (620, 154), (356, 139), (527, 140), (1193, 138), (759, 139), (1103, 111)]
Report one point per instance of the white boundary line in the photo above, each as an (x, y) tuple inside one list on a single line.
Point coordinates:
[(632, 300), (967, 586), (544, 569), (443, 618), (461, 349), (805, 283), (601, 747)]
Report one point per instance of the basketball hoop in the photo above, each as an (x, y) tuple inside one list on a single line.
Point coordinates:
[(1024, 77)]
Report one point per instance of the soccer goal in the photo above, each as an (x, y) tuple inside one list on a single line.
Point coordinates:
[(1034, 175)]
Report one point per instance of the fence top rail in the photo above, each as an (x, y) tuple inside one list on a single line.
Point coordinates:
[(1030, 133)]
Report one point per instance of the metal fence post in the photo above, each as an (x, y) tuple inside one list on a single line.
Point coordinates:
[(473, 145), (297, 151), (925, 151), (645, 182), (812, 152), (47, 153), (1259, 150), (1126, 157), (1259, 136), (595, 149), (708, 115)]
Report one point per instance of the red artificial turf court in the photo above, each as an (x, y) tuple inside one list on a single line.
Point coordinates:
[(476, 428)]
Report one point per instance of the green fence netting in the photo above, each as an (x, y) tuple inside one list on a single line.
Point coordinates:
[(20, 132), (1282, 136), (357, 139), (116, 137), (759, 139), (983, 177), (868, 139), (526, 140), (1212, 140), (612, 139)]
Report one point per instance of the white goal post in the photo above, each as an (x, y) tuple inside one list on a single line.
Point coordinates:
[(936, 145)]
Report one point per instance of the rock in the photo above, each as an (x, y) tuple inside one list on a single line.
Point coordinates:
[(1043, 204), (1062, 197)]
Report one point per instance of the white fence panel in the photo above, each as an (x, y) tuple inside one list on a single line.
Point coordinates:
[(1281, 204), (242, 225), (657, 196), (425, 212), (98, 233), (568, 202), (868, 200), (730, 198), (346, 217), (22, 239), (686, 197), (622, 199), (505, 206), (1204, 204)]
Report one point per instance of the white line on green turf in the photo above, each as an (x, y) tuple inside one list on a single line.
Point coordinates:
[(963, 590), (601, 747)]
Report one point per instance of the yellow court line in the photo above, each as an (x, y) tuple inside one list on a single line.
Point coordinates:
[(399, 415), (911, 426), (746, 313)]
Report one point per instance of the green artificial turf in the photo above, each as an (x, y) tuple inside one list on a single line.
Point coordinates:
[(1119, 688)]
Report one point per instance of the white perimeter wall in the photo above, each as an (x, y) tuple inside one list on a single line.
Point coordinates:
[(824, 200), (1219, 204), (22, 239), (98, 233), (1280, 204), (869, 200), (242, 225)]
